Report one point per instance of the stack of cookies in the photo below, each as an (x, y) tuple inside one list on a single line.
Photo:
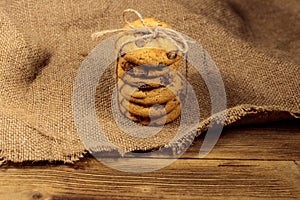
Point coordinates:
[(148, 82)]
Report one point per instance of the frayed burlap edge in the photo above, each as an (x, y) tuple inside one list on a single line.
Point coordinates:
[(238, 115)]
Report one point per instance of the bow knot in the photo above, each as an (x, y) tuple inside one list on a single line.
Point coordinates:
[(148, 33)]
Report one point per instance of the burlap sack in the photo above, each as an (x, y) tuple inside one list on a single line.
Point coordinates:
[(255, 45)]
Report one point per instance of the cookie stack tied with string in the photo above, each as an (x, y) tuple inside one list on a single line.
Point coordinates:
[(149, 84)]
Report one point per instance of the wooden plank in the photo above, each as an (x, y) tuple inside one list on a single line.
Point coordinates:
[(184, 179)]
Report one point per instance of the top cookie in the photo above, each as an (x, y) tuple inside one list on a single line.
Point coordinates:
[(150, 22), (157, 43)]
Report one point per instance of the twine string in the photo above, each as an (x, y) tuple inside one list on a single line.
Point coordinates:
[(147, 33)]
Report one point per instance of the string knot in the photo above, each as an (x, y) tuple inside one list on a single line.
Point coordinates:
[(155, 33)]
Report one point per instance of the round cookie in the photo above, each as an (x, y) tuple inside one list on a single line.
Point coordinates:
[(173, 79), (133, 92), (159, 95), (151, 57), (171, 116), (146, 111), (155, 82), (158, 99), (148, 70)]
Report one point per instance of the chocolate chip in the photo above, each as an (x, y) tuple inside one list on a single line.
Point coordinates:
[(172, 54), (128, 66), (143, 86)]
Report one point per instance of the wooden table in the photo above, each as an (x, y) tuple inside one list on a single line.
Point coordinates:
[(252, 162)]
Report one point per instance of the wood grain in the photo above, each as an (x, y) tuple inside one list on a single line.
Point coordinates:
[(254, 162), (190, 179)]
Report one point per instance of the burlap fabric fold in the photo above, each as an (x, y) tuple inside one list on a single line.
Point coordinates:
[(255, 45)]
